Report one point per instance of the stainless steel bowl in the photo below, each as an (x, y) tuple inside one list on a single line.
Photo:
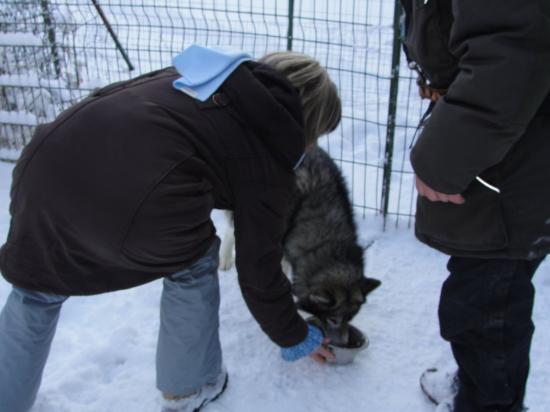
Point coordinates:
[(344, 354)]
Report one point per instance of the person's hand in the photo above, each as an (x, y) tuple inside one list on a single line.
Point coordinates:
[(435, 196), (322, 354)]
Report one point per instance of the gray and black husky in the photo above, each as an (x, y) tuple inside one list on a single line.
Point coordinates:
[(320, 244)]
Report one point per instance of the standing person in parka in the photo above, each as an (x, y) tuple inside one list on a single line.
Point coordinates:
[(483, 179), (118, 191)]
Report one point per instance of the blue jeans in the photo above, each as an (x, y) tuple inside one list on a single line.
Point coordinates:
[(188, 352), (27, 327)]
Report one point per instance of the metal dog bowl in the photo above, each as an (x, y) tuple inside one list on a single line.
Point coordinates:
[(344, 354)]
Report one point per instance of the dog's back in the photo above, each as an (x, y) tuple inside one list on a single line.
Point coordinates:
[(321, 216), (321, 245)]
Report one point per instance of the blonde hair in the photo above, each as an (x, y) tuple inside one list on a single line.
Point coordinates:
[(321, 104)]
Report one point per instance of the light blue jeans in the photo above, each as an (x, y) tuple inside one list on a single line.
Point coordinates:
[(27, 327), (188, 352)]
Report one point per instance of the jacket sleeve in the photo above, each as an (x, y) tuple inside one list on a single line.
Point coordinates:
[(503, 47), (259, 229)]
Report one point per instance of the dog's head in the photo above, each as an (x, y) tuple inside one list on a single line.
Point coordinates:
[(335, 304), (334, 288)]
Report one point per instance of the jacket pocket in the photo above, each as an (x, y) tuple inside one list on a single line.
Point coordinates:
[(476, 225)]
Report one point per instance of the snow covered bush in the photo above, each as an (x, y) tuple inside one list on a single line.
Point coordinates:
[(36, 67)]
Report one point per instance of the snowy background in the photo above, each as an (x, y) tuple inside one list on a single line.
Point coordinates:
[(103, 355)]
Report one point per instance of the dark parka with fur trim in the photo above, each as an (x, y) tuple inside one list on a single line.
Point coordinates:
[(118, 190), (493, 57)]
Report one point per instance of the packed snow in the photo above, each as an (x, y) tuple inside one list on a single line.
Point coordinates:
[(103, 356)]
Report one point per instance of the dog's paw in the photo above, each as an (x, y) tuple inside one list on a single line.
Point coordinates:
[(226, 263)]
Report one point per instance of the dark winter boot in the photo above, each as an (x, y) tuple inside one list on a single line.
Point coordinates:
[(441, 387)]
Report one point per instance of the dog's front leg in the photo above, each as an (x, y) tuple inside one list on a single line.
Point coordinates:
[(228, 243)]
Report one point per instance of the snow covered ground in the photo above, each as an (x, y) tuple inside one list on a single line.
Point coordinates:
[(102, 359)]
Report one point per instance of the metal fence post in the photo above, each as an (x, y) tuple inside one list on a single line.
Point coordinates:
[(50, 29), (113, 34), (392, 110), (290, 32)]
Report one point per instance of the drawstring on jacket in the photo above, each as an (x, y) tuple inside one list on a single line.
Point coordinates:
[(426, 92)]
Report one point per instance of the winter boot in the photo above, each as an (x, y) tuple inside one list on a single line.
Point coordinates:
[(194, 402), (440, 386)]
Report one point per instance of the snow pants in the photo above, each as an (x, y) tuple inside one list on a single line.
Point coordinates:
[(188, 351), (485, 313)]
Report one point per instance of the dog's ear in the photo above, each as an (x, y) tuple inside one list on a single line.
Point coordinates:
[(369, 284)]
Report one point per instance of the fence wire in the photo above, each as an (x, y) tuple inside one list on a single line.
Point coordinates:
[(54, 52)]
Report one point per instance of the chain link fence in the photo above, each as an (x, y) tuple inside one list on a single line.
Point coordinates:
[(54, 52)]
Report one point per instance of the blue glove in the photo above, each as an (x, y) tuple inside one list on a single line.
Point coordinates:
[(311, 343)]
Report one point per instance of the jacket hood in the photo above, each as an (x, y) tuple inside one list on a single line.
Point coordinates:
[(271, 107)]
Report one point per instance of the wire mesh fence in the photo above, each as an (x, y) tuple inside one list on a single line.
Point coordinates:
[(54, 52)]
